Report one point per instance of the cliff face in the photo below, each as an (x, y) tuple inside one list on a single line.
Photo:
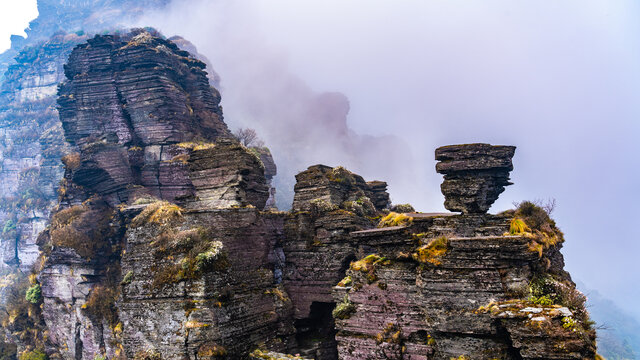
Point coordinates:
[(161, 248), (472, 286), (329, 204), (31, 145), (147, 129), (133, 105)]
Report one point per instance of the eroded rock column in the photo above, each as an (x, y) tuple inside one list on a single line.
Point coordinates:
[(474, 175)]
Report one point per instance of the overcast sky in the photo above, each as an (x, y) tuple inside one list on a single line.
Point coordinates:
[(14, 18), (560, 79)]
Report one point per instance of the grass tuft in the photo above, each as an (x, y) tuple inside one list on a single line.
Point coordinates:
[(395, 219), (160, 212), (432, 252)]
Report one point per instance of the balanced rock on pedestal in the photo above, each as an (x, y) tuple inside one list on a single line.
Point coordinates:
[(474, 175)]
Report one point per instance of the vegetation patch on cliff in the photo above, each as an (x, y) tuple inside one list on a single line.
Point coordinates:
[(395, 219), (85, 228), (101, 304), (160, 212), (403, 208), (533, 221), (368, 266), (341, 175), (344, 309), (20, 315), (433, 251), (186, 255)]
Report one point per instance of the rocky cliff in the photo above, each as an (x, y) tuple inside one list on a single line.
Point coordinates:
[(31, 146), (468, 286), (162, 245)]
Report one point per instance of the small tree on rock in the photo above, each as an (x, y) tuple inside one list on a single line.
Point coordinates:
[(248, 137)]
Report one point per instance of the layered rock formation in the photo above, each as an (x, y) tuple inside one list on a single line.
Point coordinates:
[(133, 106), (470, 286), (329, 204), (474, 175), (148, 128), (161, 247)]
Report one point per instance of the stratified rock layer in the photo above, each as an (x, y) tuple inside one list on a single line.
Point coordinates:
[(151, 143), (128, 105), (471, 301), (329, 204), (227, 175), (474, 175), (470, 286), (232, 306)]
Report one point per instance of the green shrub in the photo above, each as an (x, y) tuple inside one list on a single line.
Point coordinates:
[(33, 355), (9, 225), (126, 280), (344, 310), (34, 294), (403, 208)]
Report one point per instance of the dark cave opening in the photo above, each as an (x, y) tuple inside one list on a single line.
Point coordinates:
[(316, 335)]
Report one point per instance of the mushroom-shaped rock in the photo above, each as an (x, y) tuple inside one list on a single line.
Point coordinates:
[(474, 175)]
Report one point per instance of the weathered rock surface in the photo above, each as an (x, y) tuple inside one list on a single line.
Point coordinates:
[(93, 16), (228, 309), (147, 127), (335, 186), (227, 175), (132, 104), (270, 171), (474, 175), (329, 204), (31, 145), (470, 286)]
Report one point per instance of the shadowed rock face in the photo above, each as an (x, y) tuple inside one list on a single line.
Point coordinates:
[(329, 204), (127, 105), (474, 175)]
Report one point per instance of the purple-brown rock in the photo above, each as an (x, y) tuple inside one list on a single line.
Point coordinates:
[(474, 175)]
